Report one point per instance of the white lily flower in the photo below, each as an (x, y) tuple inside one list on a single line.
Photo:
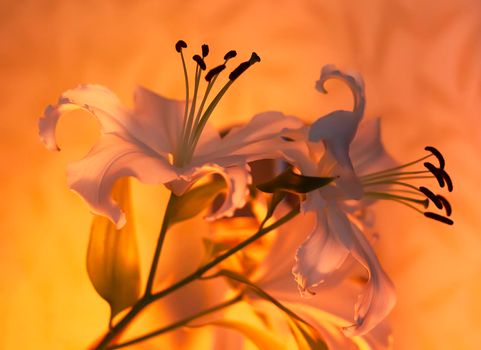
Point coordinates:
[(330, 311), (163, 141), (268, 265), (336, 235), (364, 172)]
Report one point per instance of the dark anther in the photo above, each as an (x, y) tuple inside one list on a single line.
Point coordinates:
[(244, 66), (433, 197), (441, 175), (200, 61), (230, 54), (446, 205), (214, 71), (239, 70), (254, 58), (439, 218), (205, 50), (448, 180), (287, 139), (180, 45), (439, 201), (437, 154)]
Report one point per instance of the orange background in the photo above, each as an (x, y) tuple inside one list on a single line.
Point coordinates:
[(421, 61)]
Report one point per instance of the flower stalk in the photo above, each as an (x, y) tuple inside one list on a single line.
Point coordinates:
[(148, 297)]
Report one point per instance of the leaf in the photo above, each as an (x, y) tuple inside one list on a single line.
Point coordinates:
[(113, 263), (288, 181), (262, 339), (307, 337), (194, 201)]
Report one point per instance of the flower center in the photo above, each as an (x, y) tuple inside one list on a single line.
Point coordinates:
[(195, 118), (402, 190)]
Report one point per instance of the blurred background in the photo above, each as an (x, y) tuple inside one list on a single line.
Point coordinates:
[(421, 61)]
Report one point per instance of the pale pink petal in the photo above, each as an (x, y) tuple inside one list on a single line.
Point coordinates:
[(236, 177), (337, 130), (329, 311), (157, 121), (379, 296), (368, 155), (367, 151), (111, 158), (96, 99), (319, 256), (260, 138), (325, 251)]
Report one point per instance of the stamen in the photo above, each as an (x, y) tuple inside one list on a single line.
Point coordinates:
[(441, 175), (181, 44), (406, 204), (214, 71), (178, 47), (244, 66), (439, 201), (433, 197), (388, 175), (398, 167), (205, 50), (437, 154), (446, 205), (234, 75), (230, 54), (376, 183), (382, 195), (438, 217), (190, 120), (397, 190), (200, 62), (395, 177)]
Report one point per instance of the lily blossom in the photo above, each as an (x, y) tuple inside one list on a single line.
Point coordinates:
[(330, 311), (268, 266), (336, 235), (165, 141)]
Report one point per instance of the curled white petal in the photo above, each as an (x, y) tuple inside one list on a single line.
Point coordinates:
[(331, 308), (237, 178), (379, 296), (96, 99), (338, 129), (319, 256), (111, 158)]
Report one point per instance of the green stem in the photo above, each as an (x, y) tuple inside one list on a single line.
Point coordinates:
[(197, 274), (178, 324), (160, 243), (149, 298)]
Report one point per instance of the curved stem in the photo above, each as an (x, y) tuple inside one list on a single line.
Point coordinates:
[(158, 248), (149, 298), (178, 324), (226, 255)]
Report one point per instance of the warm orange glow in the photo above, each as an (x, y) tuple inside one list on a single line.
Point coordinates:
[(421, 64)]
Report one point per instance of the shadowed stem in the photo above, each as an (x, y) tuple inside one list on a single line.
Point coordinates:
[(158, 248), (178, 324), (148, 298)]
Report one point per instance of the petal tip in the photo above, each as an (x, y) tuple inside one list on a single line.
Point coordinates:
[(121, 221), (46, 127)]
